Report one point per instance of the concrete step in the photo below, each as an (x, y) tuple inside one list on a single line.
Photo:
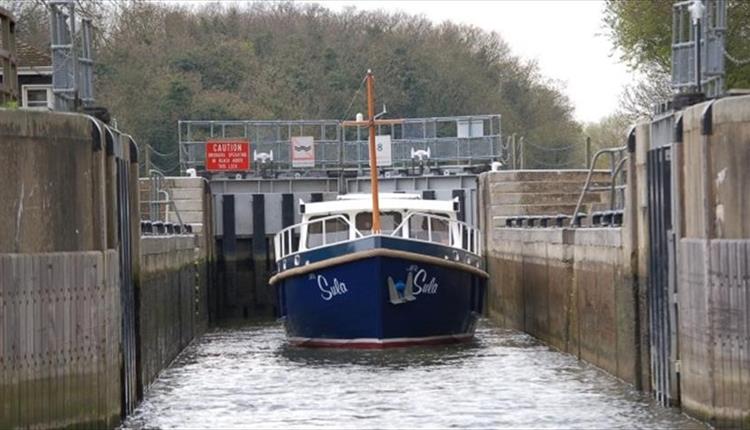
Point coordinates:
[(544, 198), (536, 209), (599, 207), (188, 205), (174, 182), (547, 175), (187, 216), (146, 211), (144, 185), (186, 194), (541, 187)]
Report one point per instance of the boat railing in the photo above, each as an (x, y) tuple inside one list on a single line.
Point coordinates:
[(284, 241), (416, 225), (441, 230)]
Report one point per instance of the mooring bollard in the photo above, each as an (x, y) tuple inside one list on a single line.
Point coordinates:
[(561, 220), (578, 219), (617, 217), (596, 218)]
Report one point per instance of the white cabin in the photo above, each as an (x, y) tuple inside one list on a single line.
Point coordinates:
[(349, 217)]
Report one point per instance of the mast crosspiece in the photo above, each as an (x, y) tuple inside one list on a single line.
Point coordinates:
[(371, 122)]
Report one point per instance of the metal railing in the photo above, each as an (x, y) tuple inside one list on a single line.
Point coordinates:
[(160, 197), (459, 234), (712, 46), (284, 241), (459, 140), (616, 161)]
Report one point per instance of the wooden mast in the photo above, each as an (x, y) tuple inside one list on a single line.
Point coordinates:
[(373, 154), (371, 122)]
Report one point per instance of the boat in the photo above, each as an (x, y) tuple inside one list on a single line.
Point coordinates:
[(379, 270), (419, 281)]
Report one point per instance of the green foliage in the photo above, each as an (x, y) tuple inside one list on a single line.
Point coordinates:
[(161, 62), (642, 30), (10, 104), (610, 131)]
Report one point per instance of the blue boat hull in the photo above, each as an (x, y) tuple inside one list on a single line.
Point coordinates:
[(382, 300)]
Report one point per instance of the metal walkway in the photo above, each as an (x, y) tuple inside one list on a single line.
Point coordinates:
[(460, 141)]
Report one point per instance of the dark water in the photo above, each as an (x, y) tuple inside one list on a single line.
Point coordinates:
[(247, 377)]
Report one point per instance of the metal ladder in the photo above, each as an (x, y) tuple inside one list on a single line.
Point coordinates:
[(160, 196), (617, 159)]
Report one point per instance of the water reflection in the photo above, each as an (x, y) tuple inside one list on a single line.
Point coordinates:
[(248, 377), (393, 359)]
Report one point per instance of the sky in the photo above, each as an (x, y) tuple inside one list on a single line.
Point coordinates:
[(565, 37)]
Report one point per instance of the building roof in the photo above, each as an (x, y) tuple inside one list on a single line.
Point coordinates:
[(386, 204), (28, 56), (368, 196)]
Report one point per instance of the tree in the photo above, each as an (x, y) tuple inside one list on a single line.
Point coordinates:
[(639, 99), (158, 63), (32, 17), (642, 31), (611, 131)]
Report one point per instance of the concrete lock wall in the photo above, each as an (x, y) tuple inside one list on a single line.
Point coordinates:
[(714, 262), (568, 288), (574, 289), (62, 318), (59, 339), (173, 300), (585, 291), (60, 327)]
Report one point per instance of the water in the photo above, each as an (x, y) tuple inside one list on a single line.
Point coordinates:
[(247, 377)]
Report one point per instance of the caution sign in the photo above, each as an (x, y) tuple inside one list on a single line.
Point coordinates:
[(227, 155), (383, 150), (303, 151)]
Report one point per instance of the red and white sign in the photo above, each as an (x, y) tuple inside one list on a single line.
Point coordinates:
[(228, 155), (303, 151)]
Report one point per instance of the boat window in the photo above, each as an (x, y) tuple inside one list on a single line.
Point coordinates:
[(388, 221), (419, 228), (336, 230)]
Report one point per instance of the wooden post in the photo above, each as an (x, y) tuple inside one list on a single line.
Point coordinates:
[(588, 152), (371, 123), (373, 154)]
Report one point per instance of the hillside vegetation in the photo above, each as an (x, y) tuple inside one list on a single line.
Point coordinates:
[(160, 62)]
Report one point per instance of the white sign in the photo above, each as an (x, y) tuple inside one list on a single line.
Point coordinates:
[(470, 128), (383, 150), (303, 151)]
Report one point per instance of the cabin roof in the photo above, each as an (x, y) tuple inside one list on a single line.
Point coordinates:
[(368, 196), (387, 203)]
